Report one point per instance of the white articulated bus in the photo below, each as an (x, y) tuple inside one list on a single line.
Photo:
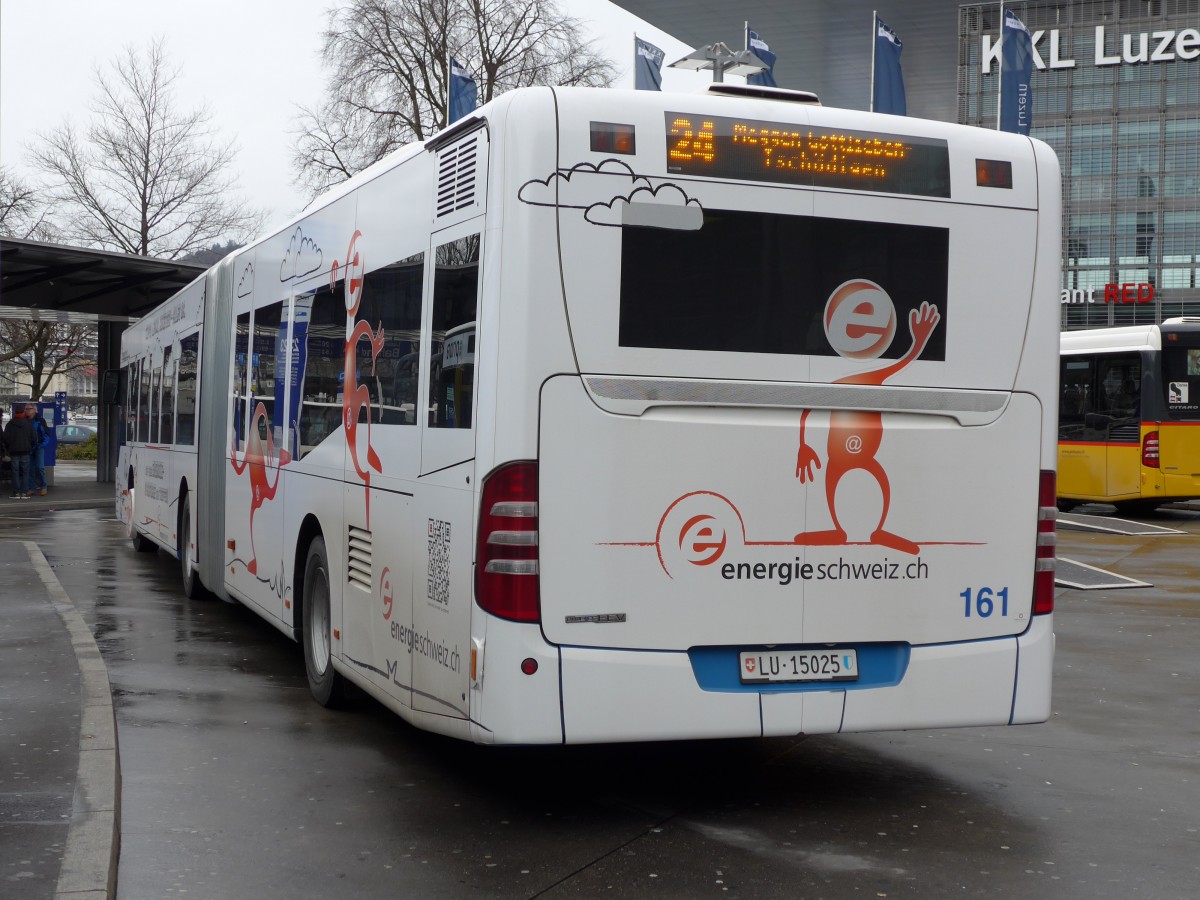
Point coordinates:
[(615, 416)]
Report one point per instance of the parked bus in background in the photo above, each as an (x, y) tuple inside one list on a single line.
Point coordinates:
[(615, 416), (1129, 415)]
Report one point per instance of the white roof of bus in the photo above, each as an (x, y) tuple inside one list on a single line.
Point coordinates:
[(1129, 337)]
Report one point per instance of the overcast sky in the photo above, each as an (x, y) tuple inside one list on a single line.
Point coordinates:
[(252, 61)]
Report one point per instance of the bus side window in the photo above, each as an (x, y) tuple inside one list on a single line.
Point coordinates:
[(155, 404), (143, 423), (391, 298), (452, 354), (241, 348), (185, 431), (131, 402), (166, 417), (266, 381), (322, 348), (1075, 399)]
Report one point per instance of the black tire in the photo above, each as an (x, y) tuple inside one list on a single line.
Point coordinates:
[(327, 686), (192, 588), (1136, 507), (141, 543), (1065, 506)]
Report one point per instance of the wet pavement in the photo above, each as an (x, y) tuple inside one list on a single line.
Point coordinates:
[(235, 784)]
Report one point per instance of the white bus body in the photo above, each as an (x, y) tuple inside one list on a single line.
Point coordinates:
[(611, 416)]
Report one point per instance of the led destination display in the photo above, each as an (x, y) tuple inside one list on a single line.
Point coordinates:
[(753, 150)]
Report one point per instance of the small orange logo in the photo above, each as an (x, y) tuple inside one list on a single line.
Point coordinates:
[(702, 540), (385, 589)]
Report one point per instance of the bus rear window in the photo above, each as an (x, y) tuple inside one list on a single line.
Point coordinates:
[(752, 282), (1181, 380)]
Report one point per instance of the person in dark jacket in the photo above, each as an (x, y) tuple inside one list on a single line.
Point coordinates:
[(3, 446), (20, 438), (37, 457)]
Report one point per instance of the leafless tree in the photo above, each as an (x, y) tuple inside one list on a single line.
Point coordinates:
[(388, 64), (143, 177), (42, 350), (22, 209)]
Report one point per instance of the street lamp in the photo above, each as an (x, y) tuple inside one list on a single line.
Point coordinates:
[(721, 60)]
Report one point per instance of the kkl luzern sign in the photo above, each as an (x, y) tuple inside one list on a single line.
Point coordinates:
[(1113, 293), (1110, 50)]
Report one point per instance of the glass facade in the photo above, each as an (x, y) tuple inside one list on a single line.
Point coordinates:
[(1117, 95)]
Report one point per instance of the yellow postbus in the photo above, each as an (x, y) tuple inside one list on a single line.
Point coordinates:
[(1129, 415)]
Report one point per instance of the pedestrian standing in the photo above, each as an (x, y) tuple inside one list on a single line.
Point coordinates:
[(3, 446), (20, 438), (37, 457)]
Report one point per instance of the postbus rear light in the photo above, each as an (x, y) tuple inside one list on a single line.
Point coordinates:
[(1047, 540), (1150, 450), (506, 548), (996, 173), (610, 137)]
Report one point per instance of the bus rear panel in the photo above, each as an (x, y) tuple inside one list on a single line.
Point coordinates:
[(799, 480)]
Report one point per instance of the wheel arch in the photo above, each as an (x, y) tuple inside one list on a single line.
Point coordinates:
[(184, 494), (310, 528)]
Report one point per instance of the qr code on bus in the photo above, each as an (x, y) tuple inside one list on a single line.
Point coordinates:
[(438, 589)]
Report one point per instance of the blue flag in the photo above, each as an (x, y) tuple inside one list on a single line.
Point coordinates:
[(647, 66), (1016, 70), (759, 48), (463, 95), (887, 83)]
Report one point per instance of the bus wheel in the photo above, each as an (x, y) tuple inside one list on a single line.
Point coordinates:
[(1065, 506), (191, 583), (326, 685), (141, 543)]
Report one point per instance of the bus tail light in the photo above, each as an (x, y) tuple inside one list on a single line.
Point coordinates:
[(506, 547), (1150, 450), (1047, 539)]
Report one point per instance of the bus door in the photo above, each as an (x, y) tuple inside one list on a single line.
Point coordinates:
[(1117, 416), (255, 505), (1082, 453), (444, 501)]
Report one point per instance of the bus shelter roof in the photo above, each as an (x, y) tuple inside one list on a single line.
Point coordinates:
[(54, 282)]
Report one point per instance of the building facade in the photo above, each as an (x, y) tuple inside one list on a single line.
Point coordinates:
[(1116, 92)]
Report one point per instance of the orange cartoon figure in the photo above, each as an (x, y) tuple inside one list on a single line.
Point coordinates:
[(860, 322), (259, 456), (356, 398)]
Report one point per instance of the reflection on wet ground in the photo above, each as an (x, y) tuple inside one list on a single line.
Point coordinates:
[(236, 784)]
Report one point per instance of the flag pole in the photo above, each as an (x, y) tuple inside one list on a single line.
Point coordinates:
[(449, 78), (746, 34), (1000, 79), (874, 41)]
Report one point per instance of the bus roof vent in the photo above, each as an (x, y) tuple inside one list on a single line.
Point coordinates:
[(1182, 320), (763, 93), (458, 186)]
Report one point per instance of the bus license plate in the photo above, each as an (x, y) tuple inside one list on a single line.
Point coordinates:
[(769, 666)]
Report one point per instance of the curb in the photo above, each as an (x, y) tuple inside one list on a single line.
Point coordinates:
[(89, 864)]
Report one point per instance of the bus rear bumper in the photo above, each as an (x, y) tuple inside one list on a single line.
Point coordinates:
[(627, 695)]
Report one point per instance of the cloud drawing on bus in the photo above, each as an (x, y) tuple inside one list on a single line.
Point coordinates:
[(666, 206), (303, 257), (583, 185), (245, 286)]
